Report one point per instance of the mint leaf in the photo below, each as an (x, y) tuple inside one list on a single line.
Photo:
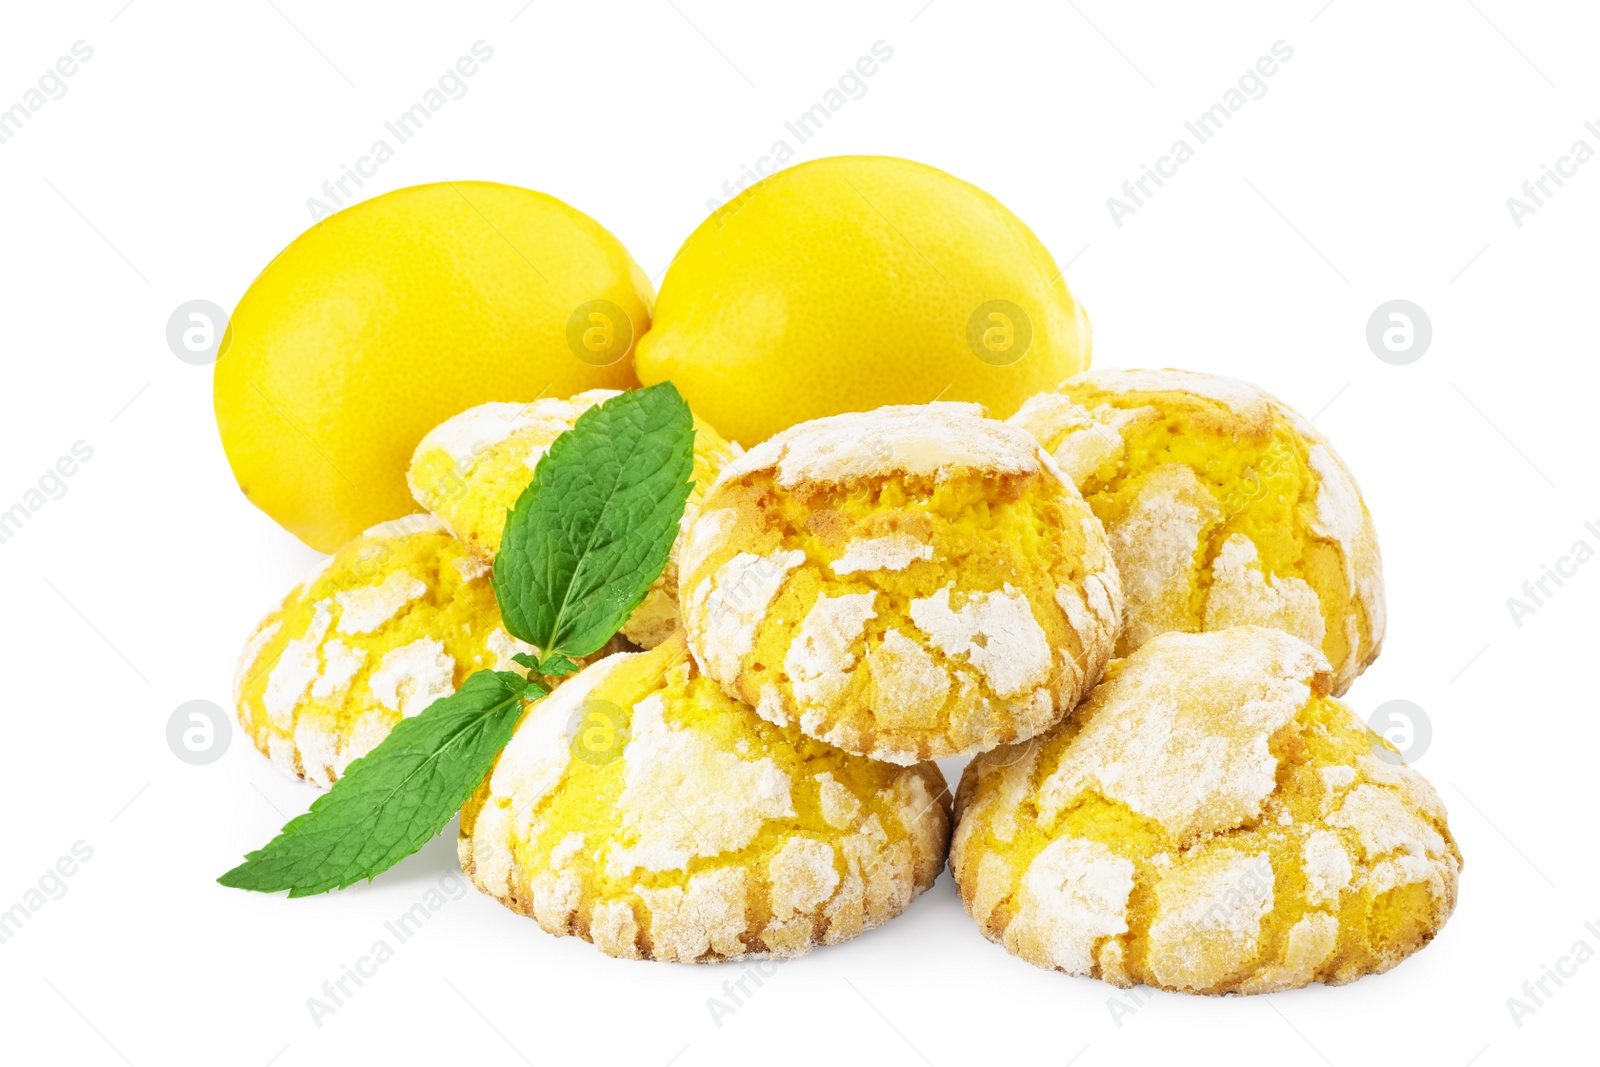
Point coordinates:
[(556, 665), (393, 800), (581, 548), (594, 528), (553, 665)]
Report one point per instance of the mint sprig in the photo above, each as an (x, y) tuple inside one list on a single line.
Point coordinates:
[(393, 800), (593, 530), (581, 549)]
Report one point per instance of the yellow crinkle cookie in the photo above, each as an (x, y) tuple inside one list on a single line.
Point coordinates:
[(1224, 507), (908, 583), (643, 810), (1209, 821), (394, 620), (470, 470)]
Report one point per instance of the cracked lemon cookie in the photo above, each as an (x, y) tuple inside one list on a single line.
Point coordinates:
[(469, 471), (642, 809), (908, 583), (391, 622), (1224, 506), (1209, 821)]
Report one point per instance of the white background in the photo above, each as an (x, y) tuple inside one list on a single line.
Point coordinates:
[(1377, 166)]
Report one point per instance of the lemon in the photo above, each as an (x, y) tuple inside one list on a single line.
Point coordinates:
[(383, 320), (852, 282)]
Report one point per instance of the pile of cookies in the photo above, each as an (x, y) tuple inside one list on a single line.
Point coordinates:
[(1133, 603)]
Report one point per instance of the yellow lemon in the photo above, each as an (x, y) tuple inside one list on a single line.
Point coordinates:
[(849, 283), (383, 320)]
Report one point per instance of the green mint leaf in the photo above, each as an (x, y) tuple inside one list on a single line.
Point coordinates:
[(555, 665), (594, 528), (534, 691), (393, 800), (529, 660)]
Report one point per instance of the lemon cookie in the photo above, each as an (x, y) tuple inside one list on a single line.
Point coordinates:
[(641, 809), (1224, 507), (470, 470), (1209, 821), (907, 584), (393, 621)]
